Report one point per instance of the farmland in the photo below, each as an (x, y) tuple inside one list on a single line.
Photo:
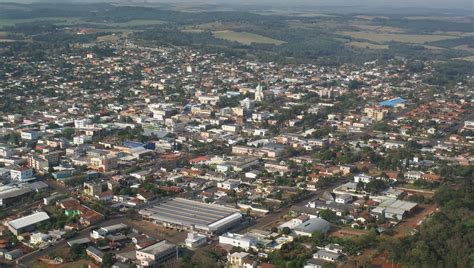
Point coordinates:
[(246, 38), (367, 45), (403, 38)]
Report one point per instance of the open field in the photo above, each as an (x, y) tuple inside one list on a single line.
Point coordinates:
[(63, 21), (131, 23), (377, 28), (245, 38), (346, 231), (404, 38), (468, 58), (465, 48), (77, 21), (366, 17), (367, 45), (441, 18)]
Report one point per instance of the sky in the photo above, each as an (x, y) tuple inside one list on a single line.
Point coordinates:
[(380, 5)]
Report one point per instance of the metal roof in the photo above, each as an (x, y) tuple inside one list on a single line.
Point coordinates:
[(28, 220)]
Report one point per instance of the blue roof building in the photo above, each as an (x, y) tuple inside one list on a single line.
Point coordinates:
[(392, 102)]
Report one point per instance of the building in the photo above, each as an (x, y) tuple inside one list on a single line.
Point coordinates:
[(29, 135), (238, 240), (156, 254), (95, 254), (228, 184), (27, 223), (325, 255), (38, 238), (104, 163), (363, 178), (92, 189), (195, 240), (310, 226), (22, 174), (241, 260), (376, 113), (112, 229), (187, 214), (13, 255), (12, 193), (392, 102), (394, 209)]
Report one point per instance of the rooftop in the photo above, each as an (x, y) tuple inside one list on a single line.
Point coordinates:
[(28, 220), (187, 212)]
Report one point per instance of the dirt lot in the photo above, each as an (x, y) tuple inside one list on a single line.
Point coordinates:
[(157, 231), (413, 222), (345, 232)]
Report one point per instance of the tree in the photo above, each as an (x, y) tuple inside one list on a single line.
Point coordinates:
[(68, 133), (286, 230), (108, 260), (76, 252)]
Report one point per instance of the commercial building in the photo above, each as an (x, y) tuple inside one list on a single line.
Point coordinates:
[(156, 254), (187, 214), (394, 209), (310, 226), (21, 174), (27, 223), (12, 193), (112, 229), (238, 240), (195, 240)]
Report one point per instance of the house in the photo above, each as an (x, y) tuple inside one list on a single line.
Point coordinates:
[(343, 199), (327, 255), (229, 184), (241, 260)]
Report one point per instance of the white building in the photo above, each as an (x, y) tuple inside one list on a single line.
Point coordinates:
[(156, 254), (29, 135), (82, 123), (39, 238), (195, 240), (363, 178), (22, 174), (78, 140), (237, 240), (228, 184)]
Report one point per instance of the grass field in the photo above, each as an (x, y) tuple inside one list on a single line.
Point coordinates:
[(404, 38), (245, 38), (367, 45)]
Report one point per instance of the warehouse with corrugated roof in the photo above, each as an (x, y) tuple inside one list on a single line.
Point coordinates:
[(188, 214)]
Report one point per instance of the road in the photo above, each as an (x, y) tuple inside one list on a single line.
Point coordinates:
[(268, 219), (28, 258)]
